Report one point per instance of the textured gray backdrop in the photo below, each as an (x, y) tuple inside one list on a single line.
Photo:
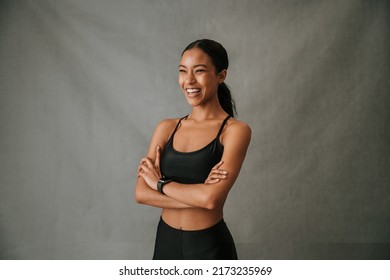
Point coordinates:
[(83, 84)]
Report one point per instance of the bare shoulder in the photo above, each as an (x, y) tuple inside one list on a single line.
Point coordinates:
[(161, 135), (236, 128), (167, 124), (238, 132), (165, 128)]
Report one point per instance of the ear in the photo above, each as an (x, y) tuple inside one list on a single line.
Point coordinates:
[(222, 75)]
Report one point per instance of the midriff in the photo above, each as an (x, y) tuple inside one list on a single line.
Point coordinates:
[(191, 218)]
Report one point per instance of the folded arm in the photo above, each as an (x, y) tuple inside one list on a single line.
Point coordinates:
[(211, 194), (143, 194)]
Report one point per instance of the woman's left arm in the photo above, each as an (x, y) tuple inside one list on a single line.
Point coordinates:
[(236, 140)]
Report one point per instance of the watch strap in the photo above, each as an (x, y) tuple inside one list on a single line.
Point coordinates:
[(160, 184)]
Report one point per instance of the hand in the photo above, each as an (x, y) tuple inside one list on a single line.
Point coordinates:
[(150, 171), (216, 174)]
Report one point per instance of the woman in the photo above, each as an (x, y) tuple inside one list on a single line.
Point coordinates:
[(193, 161)]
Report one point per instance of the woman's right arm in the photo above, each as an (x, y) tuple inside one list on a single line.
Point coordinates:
[(143, 194)]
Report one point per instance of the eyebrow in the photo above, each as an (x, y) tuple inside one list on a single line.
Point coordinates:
[(197, 65)]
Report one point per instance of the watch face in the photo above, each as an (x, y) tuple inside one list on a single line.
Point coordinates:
[(164, 181)]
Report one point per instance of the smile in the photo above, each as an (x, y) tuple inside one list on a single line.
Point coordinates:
[(193, 91)]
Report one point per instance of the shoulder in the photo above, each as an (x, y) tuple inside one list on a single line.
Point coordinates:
[(167, 124), (161, 135), (237, 131), (236, 127), (165, 127)]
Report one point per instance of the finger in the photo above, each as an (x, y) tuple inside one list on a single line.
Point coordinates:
[(217, 165), (212, 181), (218, 171), (157, 161), (147, 161), (140, 167), (143, 168), (217, 176)]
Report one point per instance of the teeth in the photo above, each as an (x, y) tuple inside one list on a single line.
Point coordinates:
[(193, 90)]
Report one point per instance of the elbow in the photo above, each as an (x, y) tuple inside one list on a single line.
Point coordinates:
[(212, 203), (210, 206), (138, 197), (214, 200)]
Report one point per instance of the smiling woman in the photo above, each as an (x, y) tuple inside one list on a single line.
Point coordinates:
[(198, 77), (194, 161), (210, 50)]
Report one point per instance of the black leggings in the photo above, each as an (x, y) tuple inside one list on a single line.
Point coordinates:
[(214, 243)]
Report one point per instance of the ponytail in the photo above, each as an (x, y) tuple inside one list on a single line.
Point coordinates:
[(226, 100)]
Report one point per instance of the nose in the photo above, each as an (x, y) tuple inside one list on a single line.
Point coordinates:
[(190, 78)]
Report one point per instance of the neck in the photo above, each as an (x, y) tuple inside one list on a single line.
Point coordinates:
[(207, 111)]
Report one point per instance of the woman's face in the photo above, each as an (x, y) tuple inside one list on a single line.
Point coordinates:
[(198, 78)]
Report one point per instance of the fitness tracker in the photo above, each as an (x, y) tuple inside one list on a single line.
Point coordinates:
[(160, 184)]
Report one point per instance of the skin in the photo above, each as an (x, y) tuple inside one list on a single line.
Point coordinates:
[(195, 206)]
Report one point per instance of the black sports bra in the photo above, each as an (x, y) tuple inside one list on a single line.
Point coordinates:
[(191, 167)]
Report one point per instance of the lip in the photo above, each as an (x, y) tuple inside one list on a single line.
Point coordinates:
[(193, 89), (192, 92)]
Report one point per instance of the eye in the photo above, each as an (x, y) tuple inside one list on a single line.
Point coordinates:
[(182, 71), (200, 71)]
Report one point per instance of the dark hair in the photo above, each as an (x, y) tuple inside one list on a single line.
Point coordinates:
[(219, 57)]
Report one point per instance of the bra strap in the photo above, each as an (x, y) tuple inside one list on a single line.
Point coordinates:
[(178, 123), (223, 124)]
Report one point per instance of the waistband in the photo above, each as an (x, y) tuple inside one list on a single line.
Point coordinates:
[(215, 228)]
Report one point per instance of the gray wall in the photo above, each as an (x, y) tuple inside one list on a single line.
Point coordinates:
[(83, 84)]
